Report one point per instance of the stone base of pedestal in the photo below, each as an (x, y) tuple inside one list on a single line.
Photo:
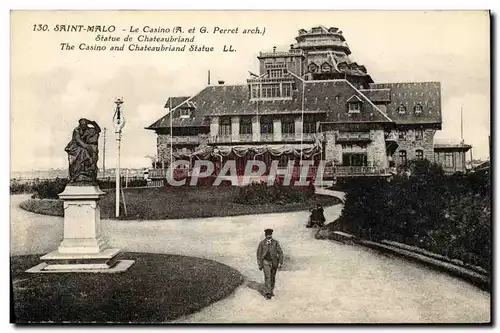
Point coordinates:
[(102, 262), (82, 245), (82, 249)]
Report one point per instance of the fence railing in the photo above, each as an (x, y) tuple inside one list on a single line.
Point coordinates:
[(189, 139), (282, 53), (354, 136), (328, 172), (124, 180)]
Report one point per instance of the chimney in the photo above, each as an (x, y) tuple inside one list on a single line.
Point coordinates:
[(274, 49), (221, 82)]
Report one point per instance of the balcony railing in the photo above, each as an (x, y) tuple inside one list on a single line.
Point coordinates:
[(275, 66), (246, 138), (356, 170), (268, 137), (292, 52), (264, 80), (288, 137), (353, 136), (220, 138), (264, 137), (328, 172), (321, 43), (192, 139), (311, 136)]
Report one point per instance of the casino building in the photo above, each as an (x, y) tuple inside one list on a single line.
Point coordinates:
[(311, 102)]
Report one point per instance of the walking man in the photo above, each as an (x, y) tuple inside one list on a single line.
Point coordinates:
[(269, 259)]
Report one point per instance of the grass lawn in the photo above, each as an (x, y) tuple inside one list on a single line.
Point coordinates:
[(179, 202), (157, 288)]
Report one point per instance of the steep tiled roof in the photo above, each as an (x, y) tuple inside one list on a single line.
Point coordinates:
[(450, 144), (377, 95), (427, 94), (328, 96), (175, 101)]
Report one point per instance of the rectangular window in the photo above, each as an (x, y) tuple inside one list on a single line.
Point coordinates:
[(225, 126), (184, 113), (266, 126), (270, 90), (436, 157), (287, 126), (420, 154), (448, 160), (355, 107), (419, 134), (275, 73), (245, 125), (402, 135), (309, 127), (287, 89), (402, 157), (255, 91)]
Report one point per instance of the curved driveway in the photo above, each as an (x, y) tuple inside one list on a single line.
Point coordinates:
[(321, 281)]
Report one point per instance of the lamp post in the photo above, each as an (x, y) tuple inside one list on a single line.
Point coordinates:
[(119, 123)]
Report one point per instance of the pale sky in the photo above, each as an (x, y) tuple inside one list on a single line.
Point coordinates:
[(51, 89)]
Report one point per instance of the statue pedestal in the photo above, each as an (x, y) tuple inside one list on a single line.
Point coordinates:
[(82, 249)]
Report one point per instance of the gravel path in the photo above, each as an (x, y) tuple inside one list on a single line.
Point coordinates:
[(321, 281)]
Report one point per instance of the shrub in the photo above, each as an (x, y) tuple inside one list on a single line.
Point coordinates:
[(262, 193), (49, 189), (20, 188), (449, 215)]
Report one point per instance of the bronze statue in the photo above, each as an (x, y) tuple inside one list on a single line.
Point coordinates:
[(83, 153)]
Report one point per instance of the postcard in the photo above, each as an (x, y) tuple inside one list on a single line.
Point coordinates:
[(272, 167)]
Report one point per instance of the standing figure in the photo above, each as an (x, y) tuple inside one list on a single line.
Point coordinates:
[(269, 259), (83, 153)]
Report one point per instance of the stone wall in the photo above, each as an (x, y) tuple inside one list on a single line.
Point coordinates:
[(411, 145), (377, 155), (333, 151), (162, 147)]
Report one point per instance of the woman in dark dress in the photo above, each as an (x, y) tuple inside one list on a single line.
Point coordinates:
[(83, 152)]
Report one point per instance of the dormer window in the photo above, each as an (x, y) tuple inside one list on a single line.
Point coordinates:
[(326, 67), (184, 113), (418, 108), (354, 104), (402, 109), (313, 68)]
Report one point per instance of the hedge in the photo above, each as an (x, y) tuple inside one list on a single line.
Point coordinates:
[(262, 193), (448, 215), (50, 189)]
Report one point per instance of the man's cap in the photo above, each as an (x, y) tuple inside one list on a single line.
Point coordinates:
[(268, 231)]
